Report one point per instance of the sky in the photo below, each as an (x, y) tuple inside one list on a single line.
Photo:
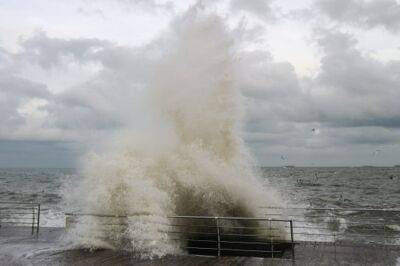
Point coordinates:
[(320, 78)]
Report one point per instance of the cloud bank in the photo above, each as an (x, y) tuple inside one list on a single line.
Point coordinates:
[(76, 89)]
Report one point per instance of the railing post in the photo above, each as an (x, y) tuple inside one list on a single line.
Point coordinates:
[(334, 243), (292, 240), (33, 218), (385, 240), (218, 236), (38, 220), (272, 239)]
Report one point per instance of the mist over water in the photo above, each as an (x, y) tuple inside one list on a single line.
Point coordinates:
[(188, 159)]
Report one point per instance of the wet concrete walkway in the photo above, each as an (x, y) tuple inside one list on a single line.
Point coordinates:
[(19, 247)]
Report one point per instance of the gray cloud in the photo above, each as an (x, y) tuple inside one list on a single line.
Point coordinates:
[(260, 8), (363, 13), (106, 100), (49, 52), (351, 89), (363, 89), (74, 112), (352, 100), (278, 100), (14, 93)]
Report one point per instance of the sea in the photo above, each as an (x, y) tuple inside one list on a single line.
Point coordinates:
[(349, 188)]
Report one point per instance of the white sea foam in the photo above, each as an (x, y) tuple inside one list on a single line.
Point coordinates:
[(190, 160)]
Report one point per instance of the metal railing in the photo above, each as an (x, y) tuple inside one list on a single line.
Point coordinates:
[(344, 226), (233, 236), (290, 234), (20, 214), (205, 235)]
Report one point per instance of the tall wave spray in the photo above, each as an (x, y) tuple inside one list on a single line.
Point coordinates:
[(191, 161)]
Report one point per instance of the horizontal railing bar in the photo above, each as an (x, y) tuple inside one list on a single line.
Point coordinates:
[(332, 209), (317, 216), (343, 234), (15, 220), (99, 224), (347, 244), (6, 207), (17, 213), (188, 247), (229, 218), (29, 207), (190, 233), (250, 228), (184, 217), (235, 242), (271, 236), (194, 240), (327, 228), (225, 227), (100, 215), (203, 233), (18, 202), (15, 223), (347, 222), (374, 219), (257, 242), (308, 227), (19, 209), (239, 250), (193, 225), (251, 250)]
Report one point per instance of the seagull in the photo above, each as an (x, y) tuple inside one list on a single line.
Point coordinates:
[(316, 176), (376, 152), (315, 131)]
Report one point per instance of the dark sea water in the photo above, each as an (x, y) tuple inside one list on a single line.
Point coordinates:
[(343, 194), (348, 187), (336, 187)]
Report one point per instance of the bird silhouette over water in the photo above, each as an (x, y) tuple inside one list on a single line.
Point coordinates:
[(376, 152)]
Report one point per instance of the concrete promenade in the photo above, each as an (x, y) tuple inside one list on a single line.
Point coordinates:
[(19, 247)]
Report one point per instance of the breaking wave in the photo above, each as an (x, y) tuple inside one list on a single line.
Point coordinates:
[(189, 160)]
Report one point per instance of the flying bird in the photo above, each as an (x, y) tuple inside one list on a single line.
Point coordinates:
[(315, 131), (376, 152)]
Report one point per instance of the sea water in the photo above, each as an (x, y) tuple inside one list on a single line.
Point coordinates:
[(330, 187)]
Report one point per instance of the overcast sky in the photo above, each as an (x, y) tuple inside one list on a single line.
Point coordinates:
[(321, 78)]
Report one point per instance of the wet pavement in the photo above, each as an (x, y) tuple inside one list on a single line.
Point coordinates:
[(19, 247)]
